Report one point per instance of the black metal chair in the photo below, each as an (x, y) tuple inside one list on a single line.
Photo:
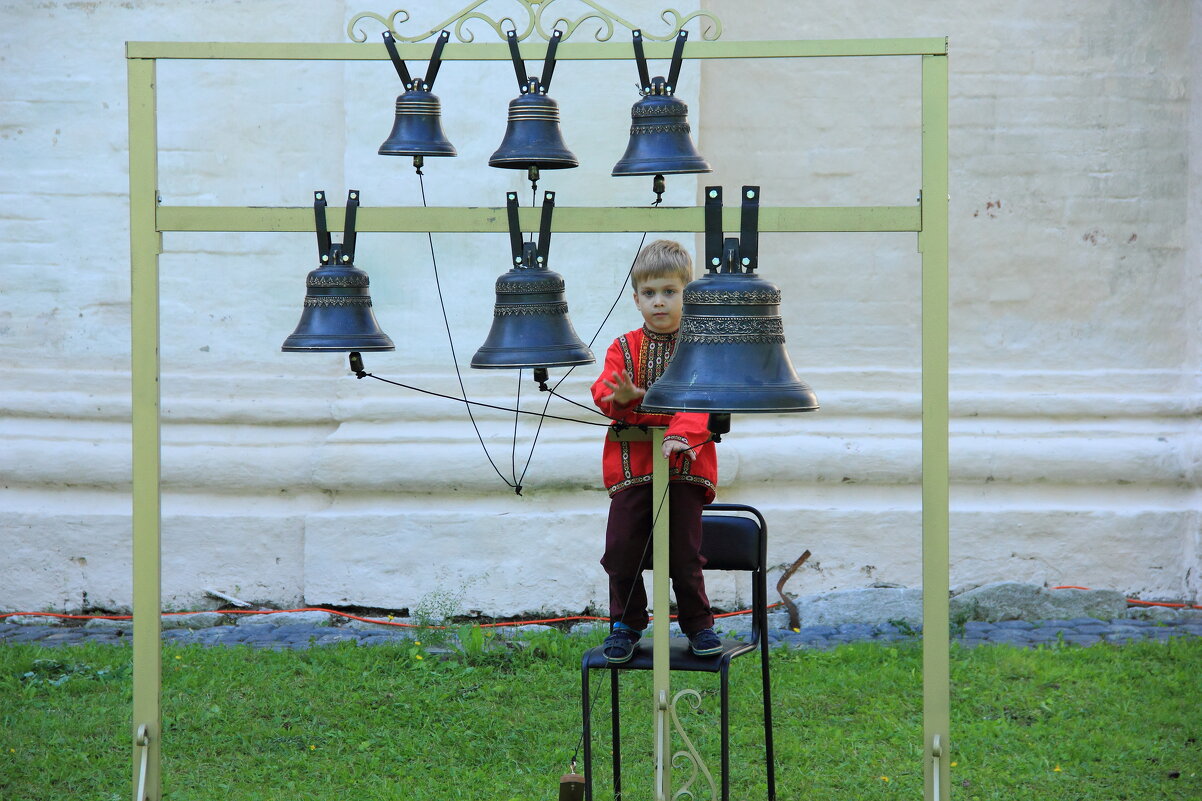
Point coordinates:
[(728, 542)]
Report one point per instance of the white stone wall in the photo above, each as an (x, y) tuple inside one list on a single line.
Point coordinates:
[(1075, 284)]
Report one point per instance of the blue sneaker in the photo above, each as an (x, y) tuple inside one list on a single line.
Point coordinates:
[(619, 645), (705, 643)]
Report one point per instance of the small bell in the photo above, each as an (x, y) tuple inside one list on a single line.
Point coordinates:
[(659, 129), (417, 129), (571, 785), (337, 315), (730, 355), (533, 140), (530, 325)]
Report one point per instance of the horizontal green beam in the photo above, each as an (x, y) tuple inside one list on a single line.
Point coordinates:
[(499, 51), (567, 219)]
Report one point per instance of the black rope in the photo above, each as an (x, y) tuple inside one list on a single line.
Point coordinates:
[(451, 342), (513, 452), (484, 405), (642, 566)]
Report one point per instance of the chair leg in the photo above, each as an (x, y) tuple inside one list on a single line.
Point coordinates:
[(769, 749), (616, 719)]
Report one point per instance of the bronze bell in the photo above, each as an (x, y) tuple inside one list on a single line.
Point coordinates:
[(730, 355), (337, 315), (417, 129), (530, 326), (659, 129), (532, 138)]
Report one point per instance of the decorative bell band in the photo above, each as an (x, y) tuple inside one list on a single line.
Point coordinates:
[(552, 283), (426, 106), (718, 330), (558, 309), (346, 279), (677, 108), (732, 297), (333, 301)]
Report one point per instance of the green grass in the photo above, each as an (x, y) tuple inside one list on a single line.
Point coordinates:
[(394, 722)]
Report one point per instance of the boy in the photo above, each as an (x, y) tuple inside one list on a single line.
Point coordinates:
[(633, 362)]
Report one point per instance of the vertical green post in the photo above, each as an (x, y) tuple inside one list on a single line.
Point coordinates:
[(661, 609), (932, 242), (144, 247)]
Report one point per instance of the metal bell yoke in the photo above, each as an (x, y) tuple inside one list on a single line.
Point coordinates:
[(659, 129), (530, 326), (533, 140), (730, 355), (417, 129), (337, 315)]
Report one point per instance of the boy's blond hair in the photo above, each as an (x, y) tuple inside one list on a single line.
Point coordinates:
[(663, 258)]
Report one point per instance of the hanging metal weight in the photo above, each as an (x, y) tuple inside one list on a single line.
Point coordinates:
[(533, 139), (530, 325), (417, 128), (730, 355), (660, 143), (337, 315)]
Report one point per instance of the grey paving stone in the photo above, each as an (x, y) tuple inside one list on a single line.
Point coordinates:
[(101, 623), (31, 634), (1130, 635), (1008, 635), (196, 620), (66, 636), (1014, 624), (1092, 628), (857, 630), (892, 637), (1128, 623)]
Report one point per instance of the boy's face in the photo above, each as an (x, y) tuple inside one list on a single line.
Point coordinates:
[(660, 300)]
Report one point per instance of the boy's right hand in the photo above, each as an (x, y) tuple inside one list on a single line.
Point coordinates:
[(622, 390)]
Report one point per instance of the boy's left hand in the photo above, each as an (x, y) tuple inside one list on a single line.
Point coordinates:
[(673, 447)]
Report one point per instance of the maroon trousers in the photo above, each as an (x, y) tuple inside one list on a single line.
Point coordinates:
[(628, 550)]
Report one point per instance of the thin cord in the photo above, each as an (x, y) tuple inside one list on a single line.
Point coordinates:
[(513, 452), (451, 342), (642, 562), (482, 404)]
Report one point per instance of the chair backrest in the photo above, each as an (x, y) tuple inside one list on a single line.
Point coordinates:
[(730, 543), (735, 537)]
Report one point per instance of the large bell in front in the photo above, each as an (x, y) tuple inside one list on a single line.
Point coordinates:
[(730, 355), (659, 138), (530, 326), (417, 128), (337, 315), (532, 136)]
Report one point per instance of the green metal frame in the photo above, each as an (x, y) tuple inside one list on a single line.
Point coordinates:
[(148, 220)]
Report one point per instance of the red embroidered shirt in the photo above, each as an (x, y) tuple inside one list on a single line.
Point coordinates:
[(644, 354)]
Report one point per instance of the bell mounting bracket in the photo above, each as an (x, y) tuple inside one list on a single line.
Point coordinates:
[(528, 255), (426, 83), (331, 252), (732, 254), (526, 84), (657, 85)]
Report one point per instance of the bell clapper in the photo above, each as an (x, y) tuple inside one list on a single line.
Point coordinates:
[(418, 162), (719, 424), (356, 359), (658, 186), (532, 176), (541, 376)]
